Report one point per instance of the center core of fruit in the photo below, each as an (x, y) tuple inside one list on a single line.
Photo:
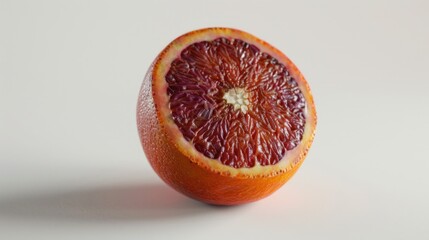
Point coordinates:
[(237, 97)]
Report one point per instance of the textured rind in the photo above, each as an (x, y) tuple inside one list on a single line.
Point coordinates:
[(193, 179)]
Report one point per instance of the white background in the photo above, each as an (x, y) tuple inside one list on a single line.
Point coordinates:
[(71, 165)]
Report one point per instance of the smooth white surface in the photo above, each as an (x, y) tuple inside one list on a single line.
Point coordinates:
[(71, 166)]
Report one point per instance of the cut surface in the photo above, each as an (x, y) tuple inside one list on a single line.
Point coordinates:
[(235, 103)]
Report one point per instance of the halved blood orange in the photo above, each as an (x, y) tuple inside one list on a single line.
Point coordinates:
[(224, 117)]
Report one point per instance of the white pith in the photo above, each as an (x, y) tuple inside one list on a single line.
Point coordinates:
[(238, 97)]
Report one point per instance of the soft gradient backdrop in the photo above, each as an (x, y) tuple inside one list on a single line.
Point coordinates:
[(71, 165)]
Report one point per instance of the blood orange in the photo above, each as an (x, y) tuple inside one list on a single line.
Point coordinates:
[(224, 117)]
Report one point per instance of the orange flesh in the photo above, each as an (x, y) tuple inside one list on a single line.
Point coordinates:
[(234, 103)]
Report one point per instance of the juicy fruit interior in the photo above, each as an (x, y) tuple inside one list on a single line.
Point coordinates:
[(235, 103)]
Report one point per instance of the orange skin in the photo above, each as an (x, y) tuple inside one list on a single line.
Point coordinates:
[(182, 173)]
